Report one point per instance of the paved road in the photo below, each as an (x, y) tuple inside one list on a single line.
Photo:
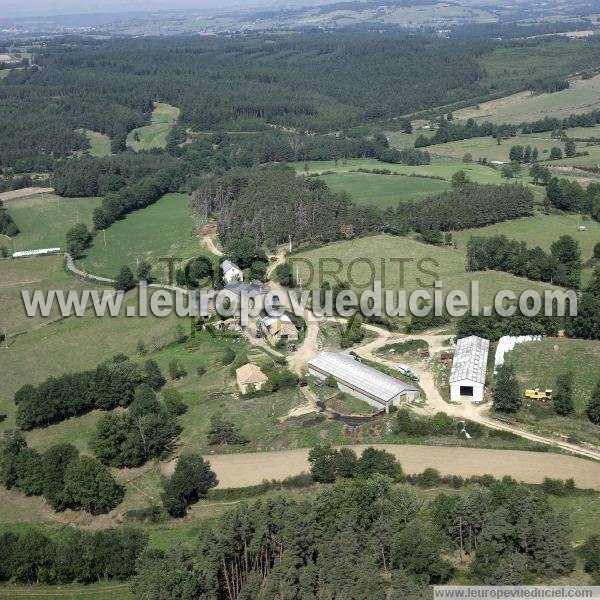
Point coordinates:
[(239, 470)]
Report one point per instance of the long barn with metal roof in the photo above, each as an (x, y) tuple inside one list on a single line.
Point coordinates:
[(364, 382), (469, 369)]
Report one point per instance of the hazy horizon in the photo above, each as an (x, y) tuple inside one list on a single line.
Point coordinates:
[(13, 9)]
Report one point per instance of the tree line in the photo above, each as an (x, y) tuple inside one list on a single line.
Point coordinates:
[(111, 384), (562, 266), (469, 205), (32, 556), (60, 475), (570, 196)]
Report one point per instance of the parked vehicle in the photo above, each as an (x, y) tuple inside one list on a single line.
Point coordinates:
[(539, 393)]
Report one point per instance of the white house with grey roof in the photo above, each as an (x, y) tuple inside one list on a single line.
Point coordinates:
[(364, 382), (231, 272), (469, 368)]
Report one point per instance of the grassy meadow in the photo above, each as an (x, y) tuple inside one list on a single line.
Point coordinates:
[(99, 143), (162, 229), (44, 221), (540, 230), (540, 364), (76, 343), (488, 147), (382, 191), (164, 116), (421, 259), (582, 96), (406, 183), (35, 273)]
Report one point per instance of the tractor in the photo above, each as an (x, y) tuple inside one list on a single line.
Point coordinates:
[(539, 393)]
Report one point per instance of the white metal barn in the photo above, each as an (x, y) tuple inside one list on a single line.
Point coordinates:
[(467, 378), (364, 382)]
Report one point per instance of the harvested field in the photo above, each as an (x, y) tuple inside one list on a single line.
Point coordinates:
[(239, 470)]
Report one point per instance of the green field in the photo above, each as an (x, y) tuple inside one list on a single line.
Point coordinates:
[(540, 230), (410, 183), (76, 591), (72, 344), (582, 96), (439, 167), (163, 229), (448, 265), (541, 363), (43, 223), (99, 143), (487, 147), (36, 273), (164, 116), (384, 190)]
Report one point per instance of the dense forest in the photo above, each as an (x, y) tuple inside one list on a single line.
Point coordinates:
[(303, 82), (471, 205), (363, 538), (250, 204)]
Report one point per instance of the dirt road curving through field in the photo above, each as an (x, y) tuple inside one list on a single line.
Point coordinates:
[(239, 470)]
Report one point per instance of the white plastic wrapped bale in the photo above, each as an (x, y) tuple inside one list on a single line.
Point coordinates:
[(507, 343), (39, 252)]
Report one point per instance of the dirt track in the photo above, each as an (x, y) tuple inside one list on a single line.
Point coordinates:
[(30, 191), (239, 470)]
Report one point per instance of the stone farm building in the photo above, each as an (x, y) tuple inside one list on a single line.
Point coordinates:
[(250, 375), (278, 329), (469, 367), (368, 384)]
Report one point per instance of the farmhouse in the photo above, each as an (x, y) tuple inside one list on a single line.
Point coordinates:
[(469, 367), (231, 272), (364, 382), (250, 377), (248, 290), (277, 329)]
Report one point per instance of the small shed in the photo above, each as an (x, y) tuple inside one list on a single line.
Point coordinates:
[(250, 375)]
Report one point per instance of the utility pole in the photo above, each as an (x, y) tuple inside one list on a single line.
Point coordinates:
[(5, 339), (104, 233), (290, 236)]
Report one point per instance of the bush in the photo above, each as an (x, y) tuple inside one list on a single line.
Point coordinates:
[(173, 401), (176, 369), (429, 478), (558, 487), (224, 432)]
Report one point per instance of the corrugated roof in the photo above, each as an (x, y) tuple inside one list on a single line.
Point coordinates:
[(362, 377), (226, 265), (249, 289), (470, 359)]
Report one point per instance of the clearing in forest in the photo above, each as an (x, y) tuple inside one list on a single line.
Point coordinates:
[(164, 116)]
